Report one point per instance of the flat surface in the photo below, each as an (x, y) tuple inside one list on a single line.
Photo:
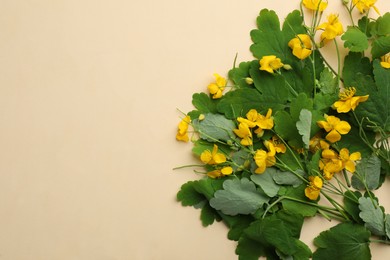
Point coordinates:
[(89, 92)]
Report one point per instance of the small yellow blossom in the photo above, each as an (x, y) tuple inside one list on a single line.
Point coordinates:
[(301, 46), (220, 172), (270, 63), (348, 101), (244, 133), (365, 5), (316, 143), (385, 61), (250, 119), (313, 190), (264, 122), (278, 144), (182, 134), (265, 159), (217, 87), (332, 28), (330, 163), (335, 128), (314, 5), (212, 157), (348, 160)]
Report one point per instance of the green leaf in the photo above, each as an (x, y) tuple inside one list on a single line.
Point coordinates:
[(249, 249), (271, 86), (208, 215), (351, 204), (237, 224), (286, 128), (377, 107), (387, 225), (279, 230), (322, 102), (188, 196), (239, 158), (285, 178), (196, 194), (299, 103), (355, 64), (382, 80), (355, 40), (304, 126), (208, 186), (238, 197), (238, 74), (369, 170), (268, 39), (383, 25), (380, 46), (200, 146), (298, 202), (214, 127), (328, 82), (238, 102), (367, 26), (343, 241), (204, 103), (266, 183), (372, 215)]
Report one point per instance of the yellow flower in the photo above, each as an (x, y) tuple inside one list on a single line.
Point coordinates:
[(217, 87), (212, 157), (264, 122), (349, 159), (335, 128), (182, 129), (348, 101), (250, 119), (265, 159), (278, 144), (220, 172), (332, 28), (330, 163), (385, 61), (316, 143), (270, 63), (315, 5), (364, 5), (301, 46), (245, 133), (313, 190)]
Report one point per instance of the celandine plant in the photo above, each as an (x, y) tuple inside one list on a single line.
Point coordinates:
[(294, 138)]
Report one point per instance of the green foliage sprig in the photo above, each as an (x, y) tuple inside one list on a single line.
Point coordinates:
[(292, 132)]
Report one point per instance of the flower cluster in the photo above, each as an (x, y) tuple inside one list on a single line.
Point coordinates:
[(285, 131)]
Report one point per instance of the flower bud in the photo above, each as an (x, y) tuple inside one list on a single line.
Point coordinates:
[(287, 67), (201, 117), (249, 80), (345, 2)]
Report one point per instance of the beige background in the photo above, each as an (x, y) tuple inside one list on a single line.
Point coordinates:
[(88, 97)]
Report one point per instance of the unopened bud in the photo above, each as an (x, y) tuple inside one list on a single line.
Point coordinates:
[(201, 117), (287, 67), (229, 142), (345, 2), (249, 80)]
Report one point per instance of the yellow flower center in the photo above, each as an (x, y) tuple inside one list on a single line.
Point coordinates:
[(347, 93)]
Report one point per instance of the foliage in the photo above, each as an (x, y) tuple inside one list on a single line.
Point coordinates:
[(286, 132)]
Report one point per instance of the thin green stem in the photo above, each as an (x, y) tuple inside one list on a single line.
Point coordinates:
[(338, 62), (290, 150), (188, 166)]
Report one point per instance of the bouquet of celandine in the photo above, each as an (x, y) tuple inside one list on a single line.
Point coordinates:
[(294, 137)]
